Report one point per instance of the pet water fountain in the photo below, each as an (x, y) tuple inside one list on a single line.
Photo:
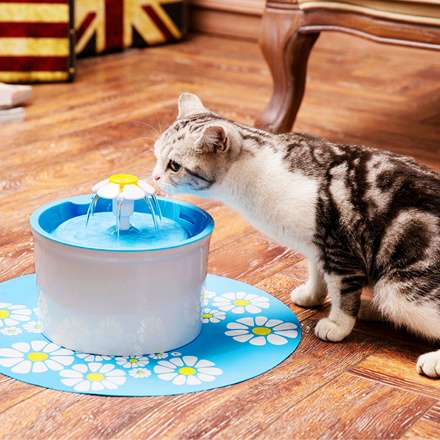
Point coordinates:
[(122, 274)]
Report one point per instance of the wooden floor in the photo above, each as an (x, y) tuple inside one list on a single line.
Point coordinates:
[(77, 134)]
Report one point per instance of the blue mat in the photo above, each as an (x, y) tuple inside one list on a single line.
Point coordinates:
[(245, 333)]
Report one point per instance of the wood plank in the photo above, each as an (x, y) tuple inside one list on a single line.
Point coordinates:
[(251, 259), (13, 391), (427, 427), (54, 414), (395, 365), (247, 408), (352, 408)]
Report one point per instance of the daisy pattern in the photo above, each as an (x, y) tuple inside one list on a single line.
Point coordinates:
[(139, 373), (212, 315), (93, 376), (187, 370), (207, 295), (11, 331), (240, 302), (159, 355), (132, 361), (41, 312), (73, 332), (152, 329), (38, 357), (175, 353), (261, 331), (11, 314), (93, 357), (109, 332), (32, 327), (192, 310)]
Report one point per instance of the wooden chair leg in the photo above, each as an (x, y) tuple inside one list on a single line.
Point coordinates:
[(286, 51)]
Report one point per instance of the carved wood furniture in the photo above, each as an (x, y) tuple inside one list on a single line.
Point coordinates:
[(289, 29)]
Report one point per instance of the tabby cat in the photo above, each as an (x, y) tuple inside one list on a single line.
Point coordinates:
[(363, 217)]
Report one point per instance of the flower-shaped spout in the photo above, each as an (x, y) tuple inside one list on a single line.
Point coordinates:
[(123, 189)]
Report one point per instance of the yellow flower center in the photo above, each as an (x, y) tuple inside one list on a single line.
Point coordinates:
[(241, 302), (187, 371), (37, 357), (12, 331), (133, 361), (207, 315), (141, 373), (95, 377), (158, 355), (262, 331), (4, 314), (123, 179)]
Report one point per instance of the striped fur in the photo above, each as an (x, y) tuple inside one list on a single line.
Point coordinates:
[(362, 216)]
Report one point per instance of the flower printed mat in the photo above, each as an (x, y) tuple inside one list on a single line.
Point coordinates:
[(245, 333)]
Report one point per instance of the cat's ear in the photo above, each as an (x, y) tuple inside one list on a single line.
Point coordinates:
[(213, 140), (189, 104)]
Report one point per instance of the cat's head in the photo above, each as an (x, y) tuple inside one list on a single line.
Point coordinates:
[(195, 153)]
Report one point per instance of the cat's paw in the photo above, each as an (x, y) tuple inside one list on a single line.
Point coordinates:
[(367, 312), (303, 296), (429, 364), (328, 330)]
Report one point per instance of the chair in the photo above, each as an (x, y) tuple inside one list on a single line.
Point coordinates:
[(289, 29)]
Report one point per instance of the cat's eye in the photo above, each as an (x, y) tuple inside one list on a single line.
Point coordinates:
[(174, 166)]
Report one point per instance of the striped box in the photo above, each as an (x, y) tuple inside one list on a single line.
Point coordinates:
[(36, 40)]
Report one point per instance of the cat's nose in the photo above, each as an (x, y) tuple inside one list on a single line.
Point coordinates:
[(156, 178)]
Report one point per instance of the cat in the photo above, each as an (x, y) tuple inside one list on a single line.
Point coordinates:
[(363, 217)]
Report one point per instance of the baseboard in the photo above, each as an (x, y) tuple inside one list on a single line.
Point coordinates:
[(227, 17)]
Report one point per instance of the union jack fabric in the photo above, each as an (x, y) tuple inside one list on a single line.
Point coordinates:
[(110, 25), (36, 40)]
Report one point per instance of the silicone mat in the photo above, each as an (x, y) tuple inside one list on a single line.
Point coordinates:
[(245, 333)]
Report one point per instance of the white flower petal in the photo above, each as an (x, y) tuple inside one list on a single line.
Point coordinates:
[(116, 380), (94, 366), (193, 380), (98, 386), (259, 340), (190, 360), (252, 309), (177, 361), (211, 371), (273, 322), (229, 295), (55, 366), (114, 373), (64, 360), (237, 325), (240, 295), (23, 367), (21, 346), (276, 340), (243, 338), (82, 386), (11, 353), (146, 188), (180, 379), (238, 310), (260, 320), (39, 367), (287, 333), (132, 192), (169, 364), (109, 191), (71, 374), (38, 345), (51, 348), (204, 363), (10, 362), (99, 185), (81, 368), (167, 376), (71, 382), (205, 377), (246, 321), (106, 368), (160, 369), (225, 308), (236, 332), (285, 326)]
